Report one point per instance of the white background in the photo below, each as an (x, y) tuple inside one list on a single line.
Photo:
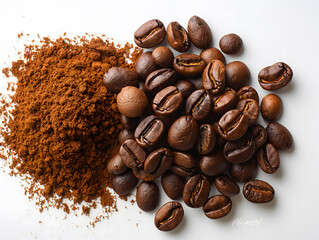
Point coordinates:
[(272, 31)]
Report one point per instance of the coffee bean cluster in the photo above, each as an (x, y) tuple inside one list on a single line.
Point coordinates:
[(192, 121)]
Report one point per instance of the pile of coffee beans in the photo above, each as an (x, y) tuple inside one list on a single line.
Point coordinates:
[(194, 132)]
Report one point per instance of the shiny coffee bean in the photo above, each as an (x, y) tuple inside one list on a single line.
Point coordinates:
[(116, 166), (159, 79), (158, 162), (125, 135), (237, 75), (178, 37), (167, 101), (258, 191), (199, 32), (199, 104), (124, 183), (275, 76), (184, 164), (268, 158), (214, 77), (247, 93), (210, 54), (259, 134), (206, 139), (163, 56), (132, 154), (279, 136), (230, 43), (129, 123), (145, 65), (173, 185), (169, 216), (189, 65), (250, 108), (217, 206), (150, 34), (226, 185), (116, 78), (185, 87), (149, 131), (240, 150), (244, 172), (147, 196), (196, 191), (271, 107), (142, 175), (224, 101), (213, 164)]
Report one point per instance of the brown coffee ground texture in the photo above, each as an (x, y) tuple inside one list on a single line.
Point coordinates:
[(64, 124)]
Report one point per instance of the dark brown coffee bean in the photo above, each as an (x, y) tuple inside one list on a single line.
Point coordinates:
[(124, 183), (183, 133), (237, 75), (214, 77), (275, 76), (240, 150), (250, 108), (147, 196), (132, 154), (158, 162), (125, 135), (226, 185), (199, 32), (178, 37), (271, 107), (189, 65), (167, 101), (169, 216), (199, 104), (258, 191), (145, 65), (206, 139), (224, 101), (129, 123), (217, 206), (163, 56), (259, 134), (244, 172), (213, 164), (116, 78), (185, 87), (196, 191), (247, 93), (173, 185), (279, 136), (142, 175), (159, 79), (184, 164), (230, 43), (150, 34), (268, 158), (116, 166), (210, 54)]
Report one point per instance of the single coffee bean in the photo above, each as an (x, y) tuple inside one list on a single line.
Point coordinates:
[(116, 166), (259, 134), (142, 175), (224, 101), (150, 34), (184, 164), (158, 162), (147, 196), (129, 123), (189, 65), (271, 107), (226, 185), (199, 104), (185, 87), (196, 191), (124, 183), (214, 77), (210, 54), (159, 79), (213, 164), (173, 185), (116, 78), (125, 135), (149, 131), (268, 158), (183, 133), (178, 37), (163, 56), (250, 108), (206, 139), (145, 65), (258, 191), (169, 216), (199, 32), (237, 75), (247, 93), (279, 136), (230, 43), (244, 172), (132, 154), (167, 101), (240, 150), (217, 206), (275, 76)]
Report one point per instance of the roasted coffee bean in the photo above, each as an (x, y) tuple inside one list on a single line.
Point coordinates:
[(271, 107), (169, 216), (259, 134), (214, 77), (184, 164), (237, 75), (147, 196), (258, 191), (233, 125), (185, 87), (230, 43), (268, 158), (116, 166), (250, 108), (149, 131), (145, 65), (210, 54), (167, 101), (116, 78), (199, 32), (183, 133), (178, 37), (213, 164), (125, 135), (158, 162), (244, 172), (124, 183), (279, 136), (247, 93), (196, 191), (132, 154), (240, 150), (206, 139), (142, 175), (199, 104), (217, 206), (275, 76), (173, 185), (224, 101), (163, 56), (189, 65), (159, 79), (150, 34), (226, 185), (129, 123)]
